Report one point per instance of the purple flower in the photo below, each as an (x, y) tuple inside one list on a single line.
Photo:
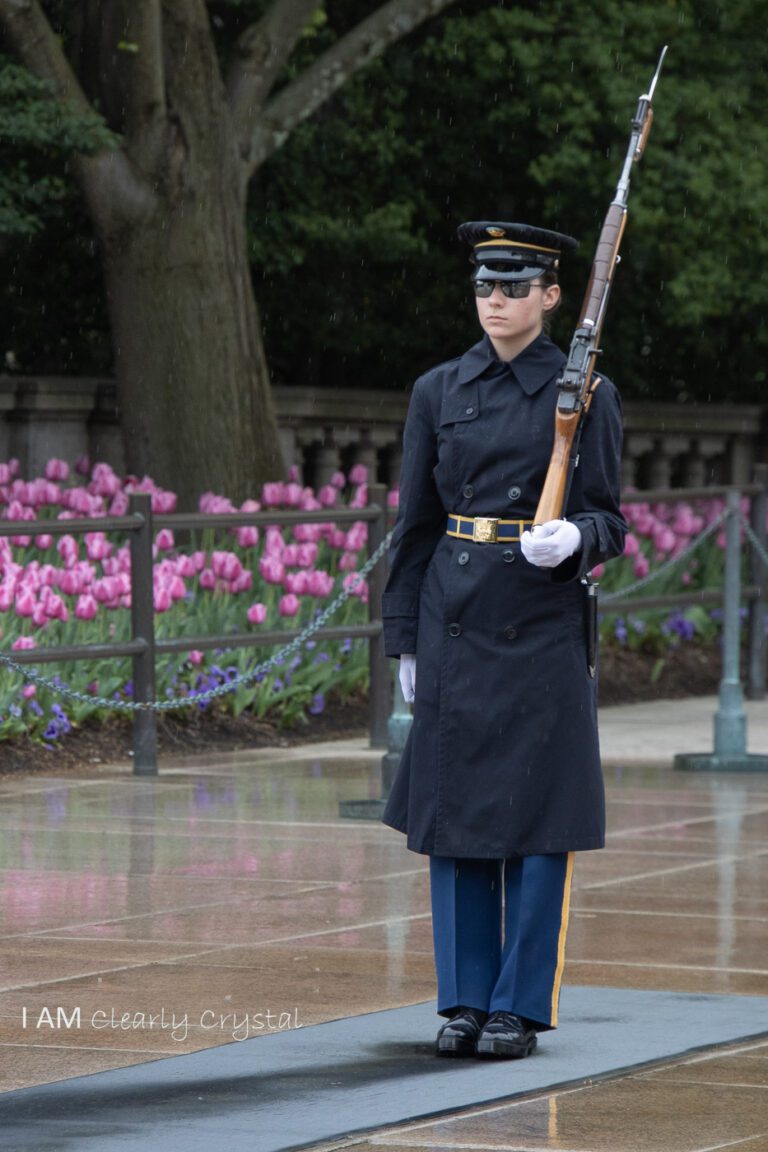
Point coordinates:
[(318, 704)]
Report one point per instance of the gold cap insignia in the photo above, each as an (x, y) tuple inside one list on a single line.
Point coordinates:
[(497, 232)]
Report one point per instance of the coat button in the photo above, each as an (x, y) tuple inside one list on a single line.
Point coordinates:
[(454, 630), (468, 491), (510, 632), (463, 557), (514, 492), (470, 410), (508, 556)]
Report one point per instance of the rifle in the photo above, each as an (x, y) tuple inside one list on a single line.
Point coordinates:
[(577, 383)]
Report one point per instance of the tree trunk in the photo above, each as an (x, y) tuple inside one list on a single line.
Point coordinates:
[(193, 385)]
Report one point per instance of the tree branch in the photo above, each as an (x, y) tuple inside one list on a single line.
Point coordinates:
[(108, 182), (364, 43), (141, 51), (262, 51)]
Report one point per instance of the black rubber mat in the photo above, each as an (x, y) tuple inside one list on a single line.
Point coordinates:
[(295, 1088)]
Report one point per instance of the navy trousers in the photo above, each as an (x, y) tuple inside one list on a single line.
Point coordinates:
[(476, 968)]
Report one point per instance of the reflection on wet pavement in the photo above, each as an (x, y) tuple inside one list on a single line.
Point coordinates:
[(232, 889)]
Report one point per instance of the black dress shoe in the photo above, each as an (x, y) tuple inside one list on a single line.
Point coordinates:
[(506, 1037), (458, 1036)]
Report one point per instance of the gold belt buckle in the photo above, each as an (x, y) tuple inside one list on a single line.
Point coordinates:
[(485, 529)]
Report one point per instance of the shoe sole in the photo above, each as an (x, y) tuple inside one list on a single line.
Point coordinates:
[(453, 1046), (505, 1050)]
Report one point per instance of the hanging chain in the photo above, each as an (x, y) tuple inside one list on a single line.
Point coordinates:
[(668, 565), (260, 670), (758, 547)]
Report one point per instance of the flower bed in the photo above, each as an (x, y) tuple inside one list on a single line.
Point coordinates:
[(75, 589)]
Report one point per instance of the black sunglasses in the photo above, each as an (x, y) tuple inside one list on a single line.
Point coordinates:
[(516, 289)]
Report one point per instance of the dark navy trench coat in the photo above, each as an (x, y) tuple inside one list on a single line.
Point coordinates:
[(502, 758)]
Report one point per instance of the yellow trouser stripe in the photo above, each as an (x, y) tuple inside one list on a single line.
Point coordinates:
[(564, 914)]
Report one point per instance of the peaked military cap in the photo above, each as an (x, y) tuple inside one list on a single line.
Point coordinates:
[(513, 251)]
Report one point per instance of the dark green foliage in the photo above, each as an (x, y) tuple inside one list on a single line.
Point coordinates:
[(522, 111)]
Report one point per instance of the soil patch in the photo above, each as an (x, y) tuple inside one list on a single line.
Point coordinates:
[(625, 678)]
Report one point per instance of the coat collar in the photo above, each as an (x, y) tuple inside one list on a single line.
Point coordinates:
[(533, 368)]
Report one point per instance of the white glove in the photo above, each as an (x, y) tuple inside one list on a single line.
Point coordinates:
[(408, 676), (547, 545)]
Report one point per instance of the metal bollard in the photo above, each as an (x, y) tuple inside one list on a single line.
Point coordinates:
[(730, 722), (143, 628)]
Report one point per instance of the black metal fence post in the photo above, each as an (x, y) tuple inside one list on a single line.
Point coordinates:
[(143, 629), (756, 669), (381, 683)]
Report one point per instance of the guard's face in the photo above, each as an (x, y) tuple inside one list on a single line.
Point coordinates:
[(518, 321)]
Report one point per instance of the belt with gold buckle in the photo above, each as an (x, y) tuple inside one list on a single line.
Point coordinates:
[(486, 529)]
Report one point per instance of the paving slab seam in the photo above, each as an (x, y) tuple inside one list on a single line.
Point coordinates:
[(594, 912), (336, 931), (674, 967), (715, 861)]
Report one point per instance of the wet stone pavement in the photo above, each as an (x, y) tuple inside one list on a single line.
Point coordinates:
[(226, 906)]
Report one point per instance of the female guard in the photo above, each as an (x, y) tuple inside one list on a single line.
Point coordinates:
[(500, 781)]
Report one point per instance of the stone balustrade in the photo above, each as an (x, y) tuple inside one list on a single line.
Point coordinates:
[(324, 430)]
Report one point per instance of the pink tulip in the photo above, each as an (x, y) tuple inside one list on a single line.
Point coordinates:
[(360, 497), (358, 474), (97, 546), (6, 598), (185, 567), (55, 608), (597, 571), (250, 506), (163, 502), (85, 607), (243, 582), (308, 502), (83, 465), (5, 474), (307, 555), (296, 582), (104, 482), (207, 579), (23, 643), (348, 562), (119, 504), (177, 588), (25, 602), (57, 470), (44, 542), (641, 567), (39, 615), (272, 494), (292, 494), (664, 539), (289, 605), (631, 545), (164, 541), (293, 473), (213, 505), (338, 480), (327, 495), (308, 533), (199, 560), (338, 539), (70, 582), (357, 536), (226, 565), (162, 600), (195, 657), (28, 691), (273, 542), (319, 583), (67, 549), (272, 570), (247, 537), (356, 586), (257, 614), (393, 498)]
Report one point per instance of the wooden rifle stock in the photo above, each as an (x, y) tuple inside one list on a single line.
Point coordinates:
[(577, 383)]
